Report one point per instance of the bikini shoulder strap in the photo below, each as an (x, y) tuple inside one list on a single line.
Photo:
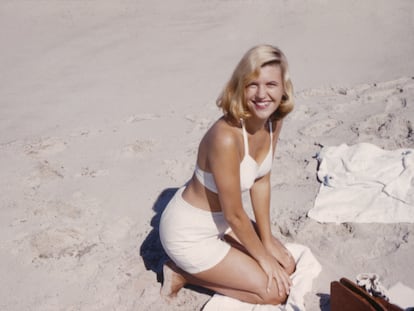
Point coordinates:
[(271, 132), (246, 143)]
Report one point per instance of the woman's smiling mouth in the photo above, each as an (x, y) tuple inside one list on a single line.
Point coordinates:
[(261, 104)]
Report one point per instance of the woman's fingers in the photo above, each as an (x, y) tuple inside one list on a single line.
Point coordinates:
[(275, 272), (282, 255), (281, 286), (283, 282), (278, 283), (287, 284), (289, 281), (269, 282)]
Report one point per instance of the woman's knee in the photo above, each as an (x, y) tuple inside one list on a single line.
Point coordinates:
[(290, 266), (272, 297)]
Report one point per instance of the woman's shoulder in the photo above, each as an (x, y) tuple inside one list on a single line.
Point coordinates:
[(222, 140), (223, 134)]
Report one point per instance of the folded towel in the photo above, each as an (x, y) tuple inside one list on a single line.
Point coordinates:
[(364, 183), (307, 268)]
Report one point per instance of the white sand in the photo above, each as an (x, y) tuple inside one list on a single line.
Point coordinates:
[(103, 104)]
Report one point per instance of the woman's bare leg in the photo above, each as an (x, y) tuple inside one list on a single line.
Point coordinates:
[(238, 275), (285, 258), (174, 280)]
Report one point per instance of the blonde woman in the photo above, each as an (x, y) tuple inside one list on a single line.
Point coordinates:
[(204, 229)]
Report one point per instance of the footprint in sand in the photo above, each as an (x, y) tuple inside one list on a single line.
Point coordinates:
[(85, 132), (142, 117), (305, 94), (395, 103), (392, 84), (77, 206), (386, 126), (46, 147), (319, 128), (116, 231), (58, 209), (93, 173), (302, 112), (138, 148), (43, 172), (55, 243)]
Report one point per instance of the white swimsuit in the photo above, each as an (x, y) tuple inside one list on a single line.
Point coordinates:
[(250, 170), (193, 237)]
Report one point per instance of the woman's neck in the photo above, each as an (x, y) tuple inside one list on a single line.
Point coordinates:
[(252, 126)]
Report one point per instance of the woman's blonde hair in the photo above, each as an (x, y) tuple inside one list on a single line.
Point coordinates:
[(232, 100)]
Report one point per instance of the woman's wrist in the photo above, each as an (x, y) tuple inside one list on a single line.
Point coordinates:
[(266, 238), (265, 257), (269, 246)]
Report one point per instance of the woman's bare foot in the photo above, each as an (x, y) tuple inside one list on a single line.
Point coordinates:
[(173, 280)]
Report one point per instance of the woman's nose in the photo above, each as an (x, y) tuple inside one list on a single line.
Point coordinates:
[(261, 92)]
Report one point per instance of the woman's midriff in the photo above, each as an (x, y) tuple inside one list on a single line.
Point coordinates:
[(198, 196)]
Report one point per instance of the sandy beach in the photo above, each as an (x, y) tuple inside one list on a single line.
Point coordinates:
[(102, 108)]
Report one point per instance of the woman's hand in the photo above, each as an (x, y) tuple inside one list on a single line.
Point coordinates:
[(275, 271), (281, 254)]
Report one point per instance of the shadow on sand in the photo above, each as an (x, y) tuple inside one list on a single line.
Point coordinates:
[(151, 249), (324, 302)]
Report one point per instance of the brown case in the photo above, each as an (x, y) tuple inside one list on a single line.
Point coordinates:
[(348, 296)]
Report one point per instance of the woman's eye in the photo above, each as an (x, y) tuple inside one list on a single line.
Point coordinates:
[(252, 85)]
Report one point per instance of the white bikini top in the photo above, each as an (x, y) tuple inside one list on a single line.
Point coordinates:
[(250, 170)]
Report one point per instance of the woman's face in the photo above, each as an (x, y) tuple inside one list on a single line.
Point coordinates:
[(264, 93)]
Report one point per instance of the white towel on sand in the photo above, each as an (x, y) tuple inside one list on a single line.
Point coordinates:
[(307, 268), (364, 183)]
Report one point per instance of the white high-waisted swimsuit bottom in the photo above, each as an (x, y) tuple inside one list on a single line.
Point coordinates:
[(192, 237)]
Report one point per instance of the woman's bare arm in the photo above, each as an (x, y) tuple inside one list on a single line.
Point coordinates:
[(224, 162)]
